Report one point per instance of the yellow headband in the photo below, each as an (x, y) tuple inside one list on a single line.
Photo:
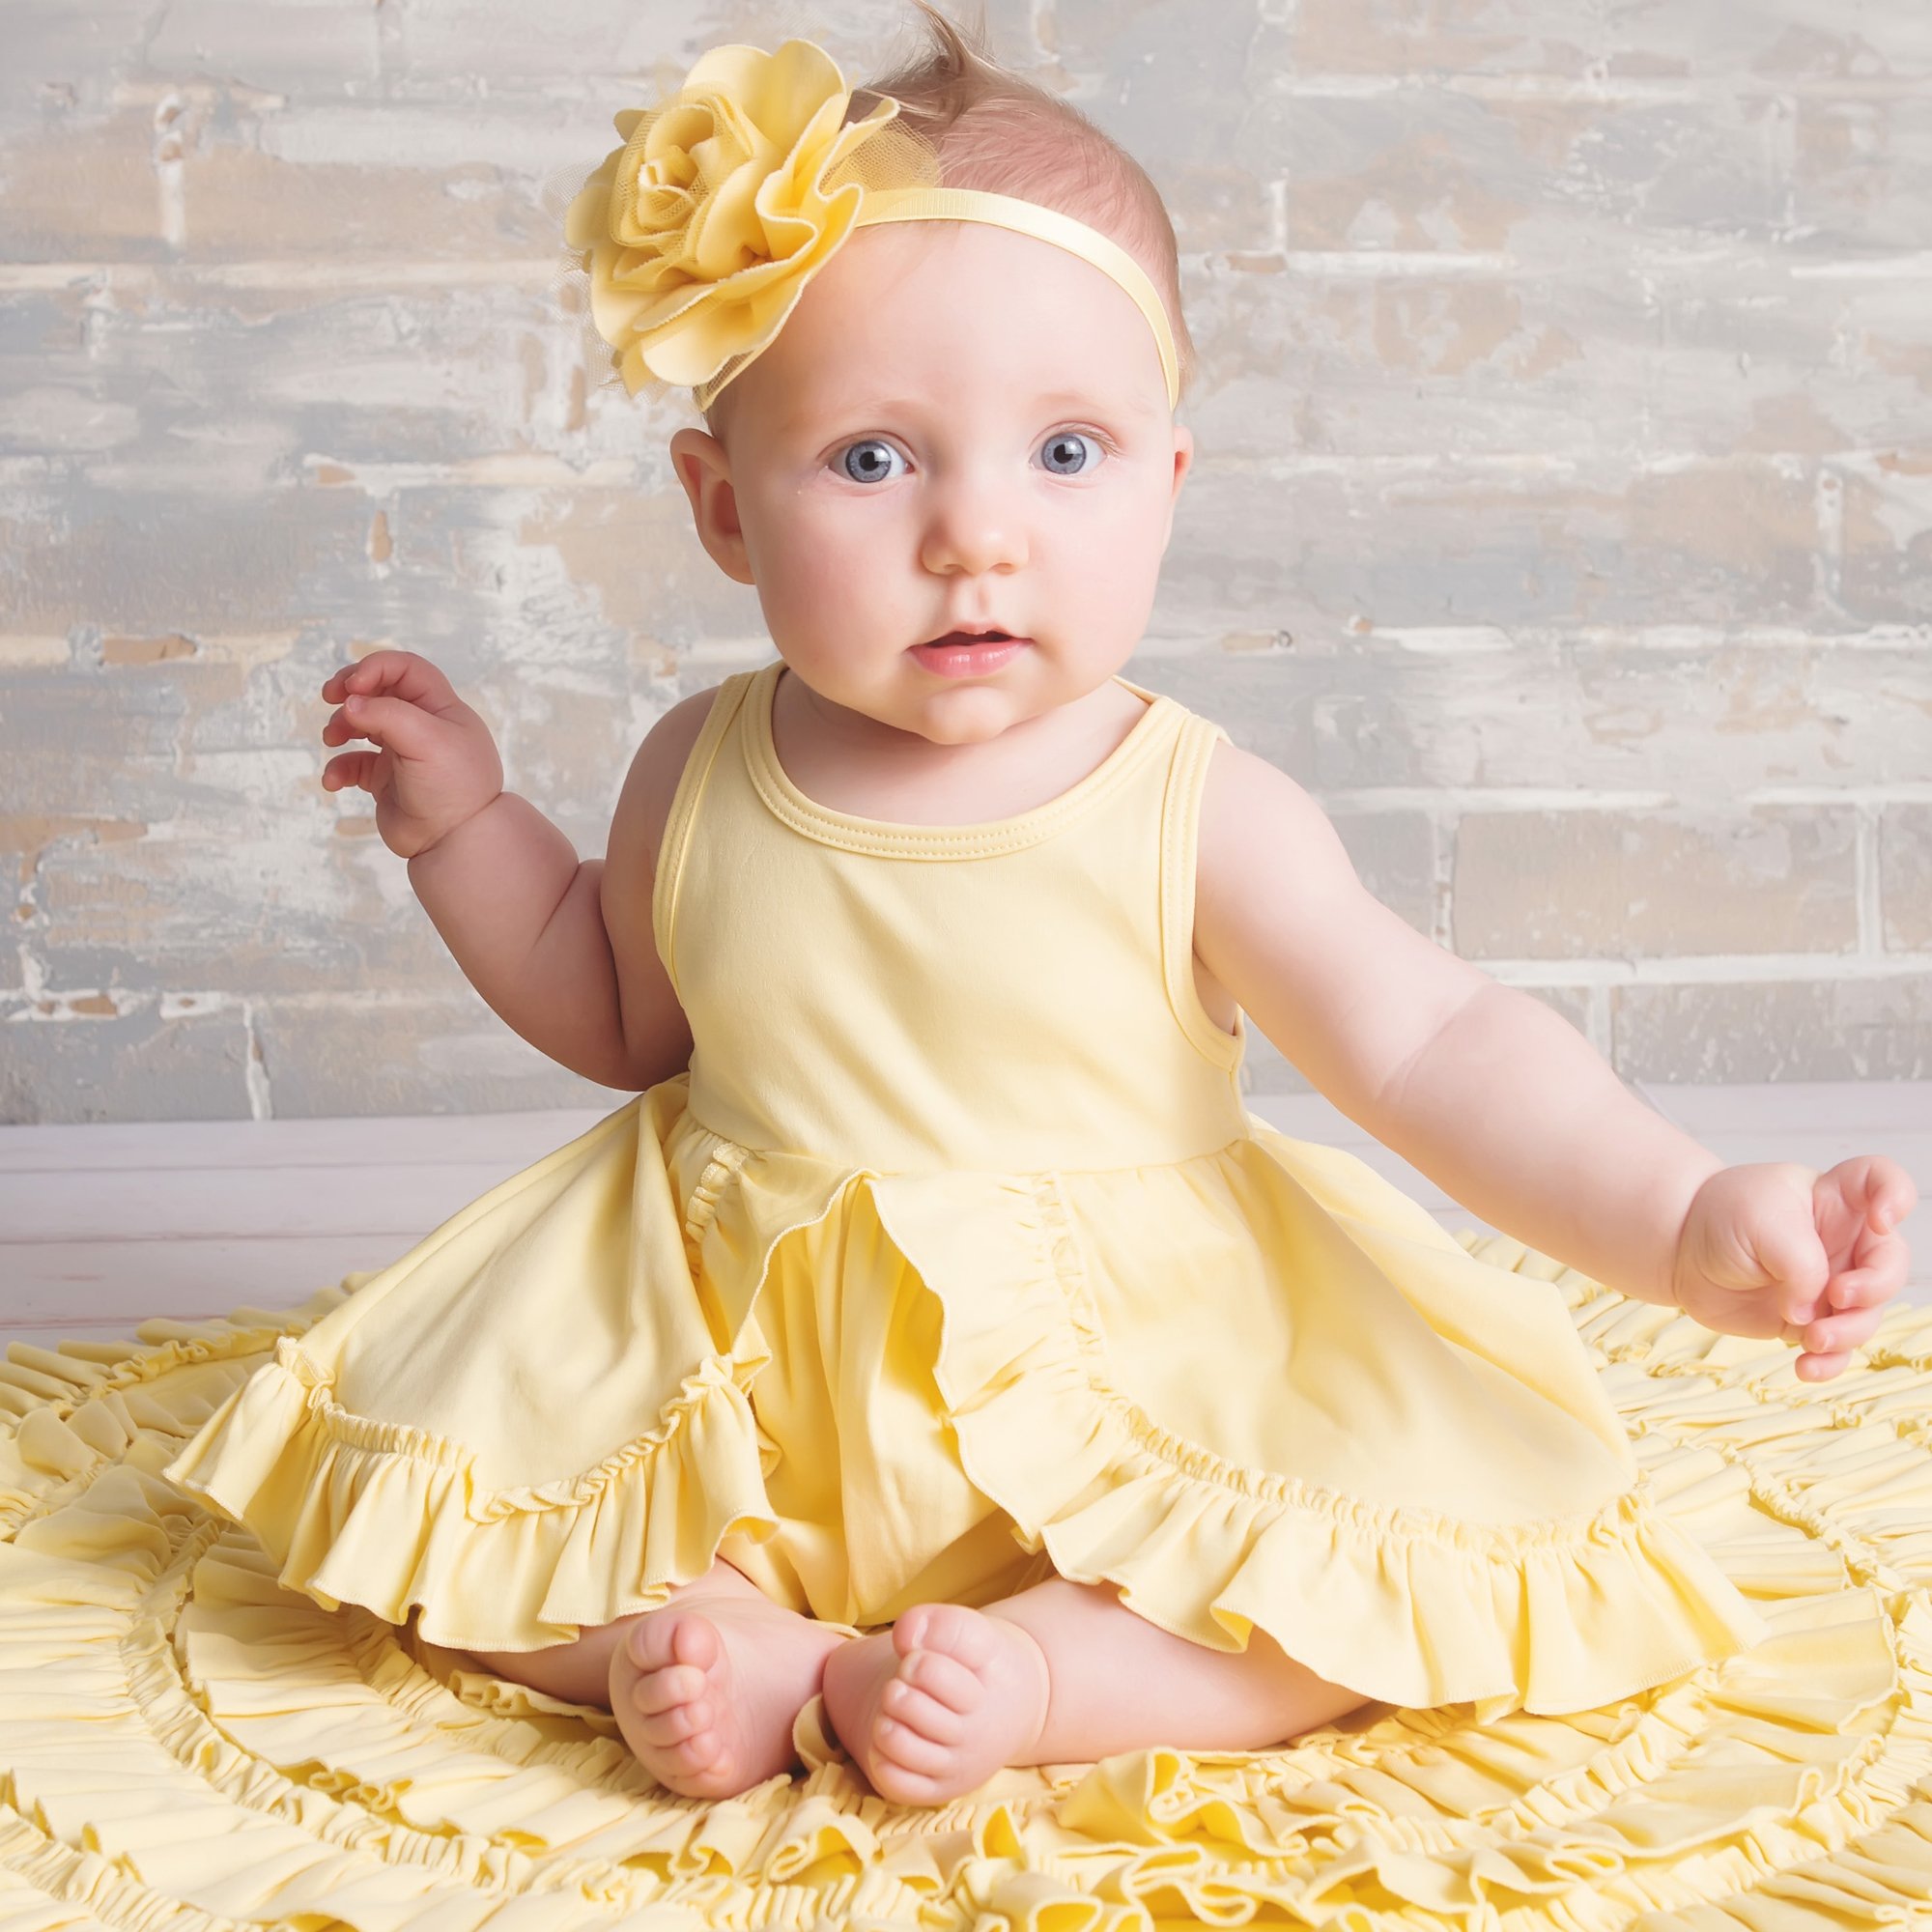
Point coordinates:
[(699, 235)]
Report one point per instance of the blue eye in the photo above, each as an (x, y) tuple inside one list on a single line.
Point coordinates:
[(1061, 441), (871, 470), (863, 462)]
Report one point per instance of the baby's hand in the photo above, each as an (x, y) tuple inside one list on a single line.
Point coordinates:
[(438, 763), (1773, 1248)]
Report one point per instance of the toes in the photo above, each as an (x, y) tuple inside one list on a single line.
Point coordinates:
[(697, 1756), (899, 1786), (953, 1628), (905, 1747), (665, 1690), (695, 1639), (659, 1639), (944, 1679), (674, 1726), (914, 1708)]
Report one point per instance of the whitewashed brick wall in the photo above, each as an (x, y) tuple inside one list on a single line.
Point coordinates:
[(1562, 518)]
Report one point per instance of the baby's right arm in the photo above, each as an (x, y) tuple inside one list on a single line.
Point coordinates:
[(522, 915)]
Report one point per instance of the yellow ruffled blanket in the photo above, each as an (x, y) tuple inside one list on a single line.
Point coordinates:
[(185, 1744)]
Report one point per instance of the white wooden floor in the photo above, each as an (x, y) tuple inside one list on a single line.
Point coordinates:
[(101, 1226)]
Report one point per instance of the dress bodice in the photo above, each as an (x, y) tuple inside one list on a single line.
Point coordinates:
[(1012, 995)]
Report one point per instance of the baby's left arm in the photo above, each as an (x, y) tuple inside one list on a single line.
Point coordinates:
[(1504, 1104)]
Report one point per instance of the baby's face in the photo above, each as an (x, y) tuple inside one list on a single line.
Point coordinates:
[(957, 424)]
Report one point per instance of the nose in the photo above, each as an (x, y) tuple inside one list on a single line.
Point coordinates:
[(974, 522)]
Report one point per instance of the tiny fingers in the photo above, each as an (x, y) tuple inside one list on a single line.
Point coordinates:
[(1879, 1275), (1820, 1367), (1843, 1332), (343, 773), (1854, 1288)]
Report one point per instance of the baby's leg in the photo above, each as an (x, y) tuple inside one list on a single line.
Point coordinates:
[(705, 1689), (1120, 1683), (1061, 1673)]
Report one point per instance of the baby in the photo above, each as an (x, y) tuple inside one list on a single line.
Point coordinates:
[(950, 476)]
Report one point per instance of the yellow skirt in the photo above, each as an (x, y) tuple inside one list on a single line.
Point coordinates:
[(1257, 1389), (874, 1510)]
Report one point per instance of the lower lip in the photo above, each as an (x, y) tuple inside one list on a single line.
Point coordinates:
[(968, 659)]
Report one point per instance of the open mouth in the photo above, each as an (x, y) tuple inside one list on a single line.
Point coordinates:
[(952, 639)]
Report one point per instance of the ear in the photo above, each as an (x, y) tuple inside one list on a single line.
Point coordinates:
[(1183, 460), (705, 468)]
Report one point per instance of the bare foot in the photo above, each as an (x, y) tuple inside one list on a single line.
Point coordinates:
[(934, 1706), (706, 1692)]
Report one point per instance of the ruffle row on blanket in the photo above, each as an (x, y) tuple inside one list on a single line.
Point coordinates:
[(188, 1745)]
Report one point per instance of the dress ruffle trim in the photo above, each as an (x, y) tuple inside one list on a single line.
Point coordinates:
[(1402, 1605), (389, 1517)]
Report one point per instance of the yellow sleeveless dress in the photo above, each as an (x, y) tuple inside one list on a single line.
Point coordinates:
[(954, 1261)]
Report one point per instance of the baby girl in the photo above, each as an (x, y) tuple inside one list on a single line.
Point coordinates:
[(945, 925)]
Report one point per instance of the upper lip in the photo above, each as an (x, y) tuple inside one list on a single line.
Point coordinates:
[(973, 628)]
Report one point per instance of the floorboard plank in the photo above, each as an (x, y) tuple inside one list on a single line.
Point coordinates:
[(103, 1227)]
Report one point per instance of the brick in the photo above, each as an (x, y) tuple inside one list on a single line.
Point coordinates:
[(1905, 876), (1861, 174), (424, 1056), (79, 189), (1760, 50), (62, 58), (293, 49), (635, 562), (1759, 357), (1725, 1034), (1732, 541), (1549, 177), (1887, 532), (131, 1066), (255, 912), (243, 204), (320, 384), (1580, 885), (1337, 710)]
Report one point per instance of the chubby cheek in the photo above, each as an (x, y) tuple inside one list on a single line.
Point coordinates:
[(1117, 563), (845, 575)]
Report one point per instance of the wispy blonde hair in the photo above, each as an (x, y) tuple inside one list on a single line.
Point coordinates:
[(995, 129)]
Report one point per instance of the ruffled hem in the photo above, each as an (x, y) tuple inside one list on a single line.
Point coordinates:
[(392, 1518), (1403, 1605), (395, 1518)]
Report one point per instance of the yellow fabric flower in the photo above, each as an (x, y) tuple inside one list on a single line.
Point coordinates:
[(703, 229)]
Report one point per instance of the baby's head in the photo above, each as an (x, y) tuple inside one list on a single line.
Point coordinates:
[(959, 424), (993, 129)]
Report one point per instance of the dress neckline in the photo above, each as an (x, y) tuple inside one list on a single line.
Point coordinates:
[(905, 839)]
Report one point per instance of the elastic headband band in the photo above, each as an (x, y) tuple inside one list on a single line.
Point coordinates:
[(699, 235)]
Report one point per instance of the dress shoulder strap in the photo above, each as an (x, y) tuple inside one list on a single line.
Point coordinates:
[(672, 848), (1180, 846)]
